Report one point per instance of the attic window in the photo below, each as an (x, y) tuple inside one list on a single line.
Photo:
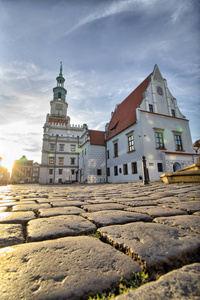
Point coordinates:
[(114, 127)]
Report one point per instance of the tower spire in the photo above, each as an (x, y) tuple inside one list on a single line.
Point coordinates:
[(61, 69)]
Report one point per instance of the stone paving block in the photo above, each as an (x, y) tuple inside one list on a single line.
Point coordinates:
[(178, 284), (110, 217), (134, 203), (54, 227), (171, 200), (28, 207), (190, 222), (157, 211), (56, 211), (16, 217), (8, 203), (67, 203), (3, 208), (107, 206), (68, 268), (157, 247), (99, 201), (11, 234), (189, 206)]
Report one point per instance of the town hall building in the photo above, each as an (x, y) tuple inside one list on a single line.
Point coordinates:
[(148, 123)]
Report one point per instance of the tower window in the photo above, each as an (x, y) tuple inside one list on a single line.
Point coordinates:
[(59, 95)]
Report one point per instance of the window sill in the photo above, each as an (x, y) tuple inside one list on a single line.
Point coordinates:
[(180, 150), (115, 156), (131, 151), (161, 148)]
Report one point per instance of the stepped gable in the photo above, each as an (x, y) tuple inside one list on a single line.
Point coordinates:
[(125, 114), (97, 137)]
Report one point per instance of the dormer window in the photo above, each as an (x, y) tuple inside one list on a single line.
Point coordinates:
[(114, 127)]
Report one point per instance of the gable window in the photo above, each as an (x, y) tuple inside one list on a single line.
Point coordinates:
[(51, 160), (115, 170), (159, 140), (173, 113), (178, 142), (52, 147), (72, 161), (98, 172), (61, 160), (160, 167), (151, 107), (125, 169), (131, 146), (134, 167), (61, 147), (116, 149)]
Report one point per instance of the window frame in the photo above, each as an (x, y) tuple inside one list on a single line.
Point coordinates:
[(160, 167), (134, 167), (178, 142), (51, 160), (115, 171), (159, 138), (125, 169), (61, 160), (61, 146)]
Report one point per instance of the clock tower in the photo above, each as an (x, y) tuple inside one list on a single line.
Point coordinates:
[(58, 104)]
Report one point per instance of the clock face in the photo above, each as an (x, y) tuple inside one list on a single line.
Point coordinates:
[(159, 90), (59, 106)]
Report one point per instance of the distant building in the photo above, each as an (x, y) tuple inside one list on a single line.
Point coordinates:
[(36, 172), (92, 162), (148, 123), (60, 156), (22, 170), (4, 176)]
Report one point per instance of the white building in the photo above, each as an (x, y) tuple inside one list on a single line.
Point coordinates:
[(60, 156), (92, 161), (148, 123)]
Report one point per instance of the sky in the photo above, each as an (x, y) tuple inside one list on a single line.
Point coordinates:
[(107, 48)]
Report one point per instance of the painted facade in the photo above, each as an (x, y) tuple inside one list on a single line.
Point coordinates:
[(92, 162)]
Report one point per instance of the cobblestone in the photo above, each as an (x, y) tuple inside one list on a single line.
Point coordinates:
[(49, 247)]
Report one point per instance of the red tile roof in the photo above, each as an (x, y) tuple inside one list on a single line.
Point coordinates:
[(125, 114), (97, 137)]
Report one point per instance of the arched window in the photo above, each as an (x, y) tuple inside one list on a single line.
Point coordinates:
[(59, 95), (176, 166)]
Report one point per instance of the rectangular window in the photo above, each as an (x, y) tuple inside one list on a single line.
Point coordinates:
[(178, 142), (134, 167), (61, 147), (150, 107), (85, 151), (115, 170), (50, 180), (72, 161), (72, 172), (52, 147), (108, 171), (159, 140), (50, 171), (173, 113), (98, 172), (125, 169), (61, 160), (116, 150), (60, 171), (160, 167), (131, 146), (108, 154), (60, 180), (51, 160), (73, 148)]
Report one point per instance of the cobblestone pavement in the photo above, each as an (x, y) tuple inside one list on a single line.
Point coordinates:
[(74, 241)]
